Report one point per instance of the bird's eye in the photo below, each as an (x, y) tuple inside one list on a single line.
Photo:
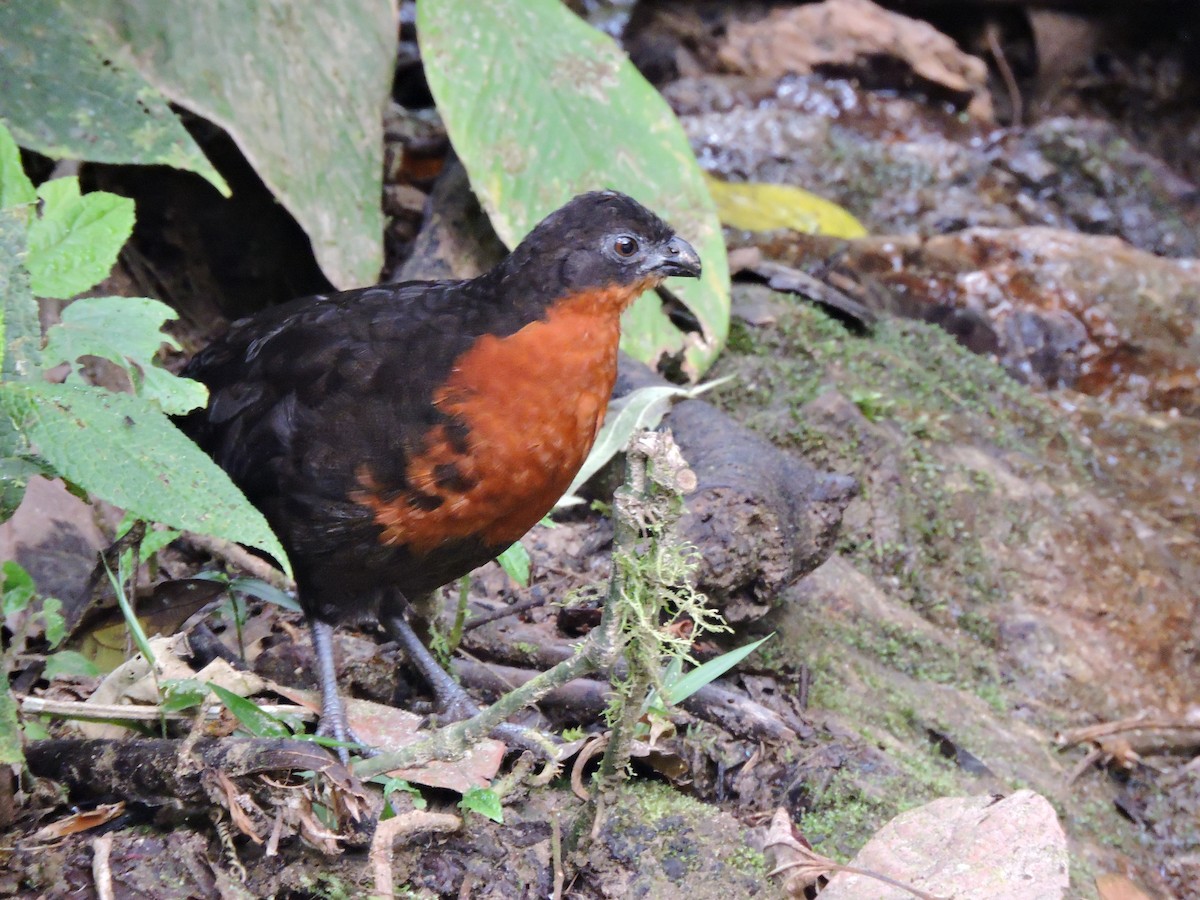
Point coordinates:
[(625, 246)]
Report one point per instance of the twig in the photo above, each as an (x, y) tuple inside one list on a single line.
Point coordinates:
[(390, 830), (242, 558), (515, 609), (556, 858), (1136, 723), (992, 36), (78, 709), (101, 871)]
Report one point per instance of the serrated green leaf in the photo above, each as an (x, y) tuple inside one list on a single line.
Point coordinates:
[(66, 95), (155, 539), (55, 624), (20, 331), (484, 801), (68, 662), (515, 561), (182, 693), (11, 753), (15, 187), (125, 451), (253, 719), (75, 241), (126, 331), (301, 88), (540, 106), (391, 786), (18, 588), (14, 478)]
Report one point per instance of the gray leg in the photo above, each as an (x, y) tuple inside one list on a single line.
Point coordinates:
[(452, 699), (333, 714)]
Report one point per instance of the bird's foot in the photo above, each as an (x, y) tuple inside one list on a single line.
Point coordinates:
[(334, 723), (454, 702)]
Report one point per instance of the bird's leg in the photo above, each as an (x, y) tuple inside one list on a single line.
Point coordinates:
[(455, 702), (333, 714)]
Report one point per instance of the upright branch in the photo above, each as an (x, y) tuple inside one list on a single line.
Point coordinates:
[(649, 576)]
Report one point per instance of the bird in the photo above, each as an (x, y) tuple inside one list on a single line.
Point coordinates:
[(396, 437)]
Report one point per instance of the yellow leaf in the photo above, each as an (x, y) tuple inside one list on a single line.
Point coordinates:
[(755, 206)]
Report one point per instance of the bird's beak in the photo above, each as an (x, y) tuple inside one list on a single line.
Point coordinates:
[(676, 257)]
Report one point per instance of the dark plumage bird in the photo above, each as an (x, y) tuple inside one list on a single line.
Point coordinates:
[(396, 437)]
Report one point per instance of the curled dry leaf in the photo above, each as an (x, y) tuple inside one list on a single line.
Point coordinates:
[(78, 822), (848, 34), (790, 852)]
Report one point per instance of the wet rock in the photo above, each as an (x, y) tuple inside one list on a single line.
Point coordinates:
[(1056, 308), (905, 167)]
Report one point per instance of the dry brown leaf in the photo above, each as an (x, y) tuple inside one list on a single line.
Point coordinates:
[(1118, 887), (235, 801), (789, 852), (847, 33), (78, 822), (389, 728)]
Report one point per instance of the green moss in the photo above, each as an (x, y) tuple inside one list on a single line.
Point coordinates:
[(329, 887), (657, 801), (748, 860), (844, 817)]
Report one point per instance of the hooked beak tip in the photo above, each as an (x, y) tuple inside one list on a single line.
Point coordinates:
[(680, 258)]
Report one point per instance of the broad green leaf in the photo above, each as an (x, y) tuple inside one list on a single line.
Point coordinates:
[(66, 96), (14, 478), (128, 332), (125, 451), (756, 206), (540, 106), (68, 662), (20, 332), (15, 187), (515, 561), (182, 693), (484, 801), (685, 686), (300, 86), (391, 786), (253, 719), (18, 588), (75, 241), (155, 539), (10, 728), (55, 624)]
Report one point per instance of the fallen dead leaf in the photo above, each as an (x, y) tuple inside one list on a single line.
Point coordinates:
[(390, 729), (1118, 887), (78, 822), (851, 34)]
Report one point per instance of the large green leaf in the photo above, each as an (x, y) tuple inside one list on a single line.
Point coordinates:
[(125, 331), (15, 187), (75, 241), (20, 331), (301, 87), (540, 106), (123, 450), (64, 95)]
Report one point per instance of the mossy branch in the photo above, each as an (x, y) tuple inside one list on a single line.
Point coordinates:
[(649, 572)]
